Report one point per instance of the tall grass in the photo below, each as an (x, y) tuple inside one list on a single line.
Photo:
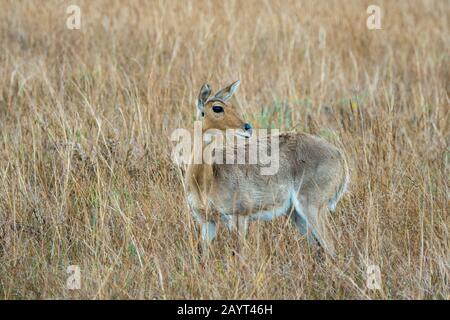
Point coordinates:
[(86, 176)]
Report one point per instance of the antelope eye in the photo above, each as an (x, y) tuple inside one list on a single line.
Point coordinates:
[(217, 109)]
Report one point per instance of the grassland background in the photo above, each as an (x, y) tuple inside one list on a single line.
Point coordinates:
[(86, 176)]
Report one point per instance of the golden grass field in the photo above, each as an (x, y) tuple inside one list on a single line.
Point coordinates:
[(87, 179)]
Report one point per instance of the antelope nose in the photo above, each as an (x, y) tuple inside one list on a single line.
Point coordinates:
[(247, 127)]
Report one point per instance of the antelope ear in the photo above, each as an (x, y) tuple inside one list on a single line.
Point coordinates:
[(226, 93), (204, 94)]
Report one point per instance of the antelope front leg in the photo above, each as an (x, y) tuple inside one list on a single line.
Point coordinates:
[(208, 234), (239, 225), (209, 231)]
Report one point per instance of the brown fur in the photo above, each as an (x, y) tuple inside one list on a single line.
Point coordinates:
[(314, 168)]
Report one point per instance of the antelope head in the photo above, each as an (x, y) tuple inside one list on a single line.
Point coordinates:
[(218, 113)]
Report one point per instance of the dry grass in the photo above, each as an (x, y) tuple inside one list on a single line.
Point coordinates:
[(86, 176)]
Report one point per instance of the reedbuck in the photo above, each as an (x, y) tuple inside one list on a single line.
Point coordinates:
[(311, 179)]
